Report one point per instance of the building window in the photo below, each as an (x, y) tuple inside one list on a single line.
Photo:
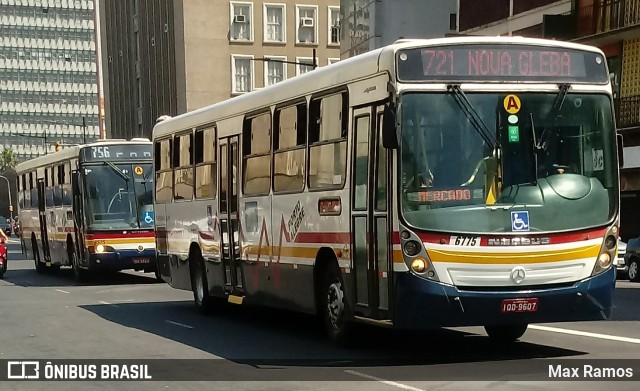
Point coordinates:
[(334, 26), (242, 70), (274, 71), (304, 65), (241, 21), (274, 26), (453, 22), (333, 60), (307, 24)]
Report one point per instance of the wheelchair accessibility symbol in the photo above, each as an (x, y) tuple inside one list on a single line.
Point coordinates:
[(148, 217), (520, 221)]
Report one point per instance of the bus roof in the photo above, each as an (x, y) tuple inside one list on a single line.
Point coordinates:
[(71, 153), (340, 73)]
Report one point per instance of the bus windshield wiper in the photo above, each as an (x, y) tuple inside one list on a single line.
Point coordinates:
[(555, 109), (118, 171), (472, 115)]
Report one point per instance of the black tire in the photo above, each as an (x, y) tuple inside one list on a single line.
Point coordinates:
[(157, 273), (506, 333), (40, 268), (199, 286), (634, 270), (335, 307), (80, 275)]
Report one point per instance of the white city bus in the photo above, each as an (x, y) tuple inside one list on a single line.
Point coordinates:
[(89, 207), (429, 183)]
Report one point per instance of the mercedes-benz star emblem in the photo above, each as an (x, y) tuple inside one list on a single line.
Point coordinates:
[(518, 274), (140, 248)]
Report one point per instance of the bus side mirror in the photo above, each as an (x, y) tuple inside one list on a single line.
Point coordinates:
[(389, 133), (620, 150)]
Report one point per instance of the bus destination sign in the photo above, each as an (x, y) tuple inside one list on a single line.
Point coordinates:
[(117, 151), (501, 63)]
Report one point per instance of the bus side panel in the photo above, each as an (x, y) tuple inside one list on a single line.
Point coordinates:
[(260, 268), (208, 235), (178, 242)]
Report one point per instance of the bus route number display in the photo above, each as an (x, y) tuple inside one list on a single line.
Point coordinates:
[(500, 63), (117, 151)]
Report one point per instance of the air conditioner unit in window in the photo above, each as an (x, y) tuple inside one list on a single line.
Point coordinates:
[(306, 22), (240, 19)]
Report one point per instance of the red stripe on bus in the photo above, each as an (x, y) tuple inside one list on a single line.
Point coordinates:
[(100, 235), (569, 237)]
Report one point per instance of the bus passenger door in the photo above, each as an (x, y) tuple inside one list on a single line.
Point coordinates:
[(78, 219), (42, 215), (369, 216), (229, 216)]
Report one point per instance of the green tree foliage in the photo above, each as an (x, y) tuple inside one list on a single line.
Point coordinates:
[(8, 160)]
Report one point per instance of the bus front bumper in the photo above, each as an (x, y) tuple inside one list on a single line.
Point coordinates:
[(123, 260), (427, 304)]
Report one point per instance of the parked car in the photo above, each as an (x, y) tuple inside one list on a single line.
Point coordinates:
[(4, 224), (632, 259), (619, 262)]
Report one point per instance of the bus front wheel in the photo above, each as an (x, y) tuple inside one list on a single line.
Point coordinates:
[(335, 308), (506, 333)]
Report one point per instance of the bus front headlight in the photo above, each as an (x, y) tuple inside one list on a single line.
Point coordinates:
[(99, 248)]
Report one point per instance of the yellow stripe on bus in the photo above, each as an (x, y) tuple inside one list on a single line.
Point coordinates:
[(509, 258)]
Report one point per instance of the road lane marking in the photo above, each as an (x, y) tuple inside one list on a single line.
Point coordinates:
[(383, 381), (107, 303), (584, 334), (106, 290), (186, 326), (60, 290)]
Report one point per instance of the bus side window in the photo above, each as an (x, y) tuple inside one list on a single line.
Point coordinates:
[(183, 163), (205, 161), (164, 175), (256, 153), (328, 117), (289, 141)]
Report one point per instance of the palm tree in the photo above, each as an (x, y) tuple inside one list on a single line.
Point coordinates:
[(8, 159)]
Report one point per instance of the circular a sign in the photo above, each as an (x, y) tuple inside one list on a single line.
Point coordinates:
[(138, 170), (511, 104)]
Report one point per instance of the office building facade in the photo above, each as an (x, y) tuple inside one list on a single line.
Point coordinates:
[(368, 25), (168, 57), (49, 83)]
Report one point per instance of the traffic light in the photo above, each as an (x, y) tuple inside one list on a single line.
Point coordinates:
[(57, 146)]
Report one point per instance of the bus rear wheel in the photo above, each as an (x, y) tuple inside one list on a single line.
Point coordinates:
[(199, 286), (506, 333), (79, 274), (335, 308), (36, 257)]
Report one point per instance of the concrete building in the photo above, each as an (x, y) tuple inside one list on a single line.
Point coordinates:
[(167, 57), (367, 25), (49, 84), (509, 17)]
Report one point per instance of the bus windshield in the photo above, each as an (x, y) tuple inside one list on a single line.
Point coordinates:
[(549, 154), (119, 196)]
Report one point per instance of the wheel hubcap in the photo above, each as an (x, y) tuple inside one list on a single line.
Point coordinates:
[(633, 270), (335, 304)]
